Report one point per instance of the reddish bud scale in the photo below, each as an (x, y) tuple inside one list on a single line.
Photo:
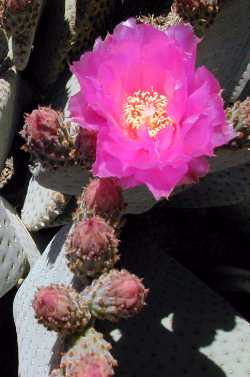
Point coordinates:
[(92, 247), (61, 309), (116, 295)]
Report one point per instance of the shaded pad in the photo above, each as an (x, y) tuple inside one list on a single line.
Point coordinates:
[(225, 49), (224, 188), (16, 247), (185, 330)]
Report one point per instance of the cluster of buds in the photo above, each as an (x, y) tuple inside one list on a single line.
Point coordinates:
[(54, 141), (92, 246), (113, 296), (239, 115), (91, 251)]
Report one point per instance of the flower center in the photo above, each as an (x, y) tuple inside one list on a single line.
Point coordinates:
[(146, 108)]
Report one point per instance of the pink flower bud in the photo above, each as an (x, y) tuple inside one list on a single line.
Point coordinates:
[(90, 365), (60, 308), (115, 295), (104, 197), (42, 124), (92, 247), (49, 137)]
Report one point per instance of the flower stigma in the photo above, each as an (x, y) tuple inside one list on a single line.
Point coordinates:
[(146, 108)]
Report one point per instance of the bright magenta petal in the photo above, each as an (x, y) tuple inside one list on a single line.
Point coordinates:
[(156, 116)]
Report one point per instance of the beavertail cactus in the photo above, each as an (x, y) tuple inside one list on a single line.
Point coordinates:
[(102, 197), (61, 309), (20, 18), (92, 247), (8, 89), (17, 249), (3, 43), (239, 114), (69, 29), (90, 356), (42, 206), (225, 50), (7, 172), (116, 295), (200, 13)]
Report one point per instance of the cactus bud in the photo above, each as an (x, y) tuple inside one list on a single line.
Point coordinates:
[(115, 295), (104, 197), (89, 357), (239, 115), (61, 309), (200, 13), (92, 247), (90, 366), (47, 136)]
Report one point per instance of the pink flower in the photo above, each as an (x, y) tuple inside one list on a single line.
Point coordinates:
[(157, 118)]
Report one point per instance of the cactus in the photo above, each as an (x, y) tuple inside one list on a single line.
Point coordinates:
[(176, 291), (59, 148), (17, 249), (8, 88), (20, 19), (73, 285), (7, 172), (219, 50), (163, 21), (239, 115), (116, 295), (200, 13), (3, 44), (66, 33), (92, 248), (92, 352), (102, 197), (42, 206), (229, 179), (61, 309)]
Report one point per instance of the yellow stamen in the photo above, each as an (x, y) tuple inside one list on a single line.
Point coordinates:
[(146, 108)]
